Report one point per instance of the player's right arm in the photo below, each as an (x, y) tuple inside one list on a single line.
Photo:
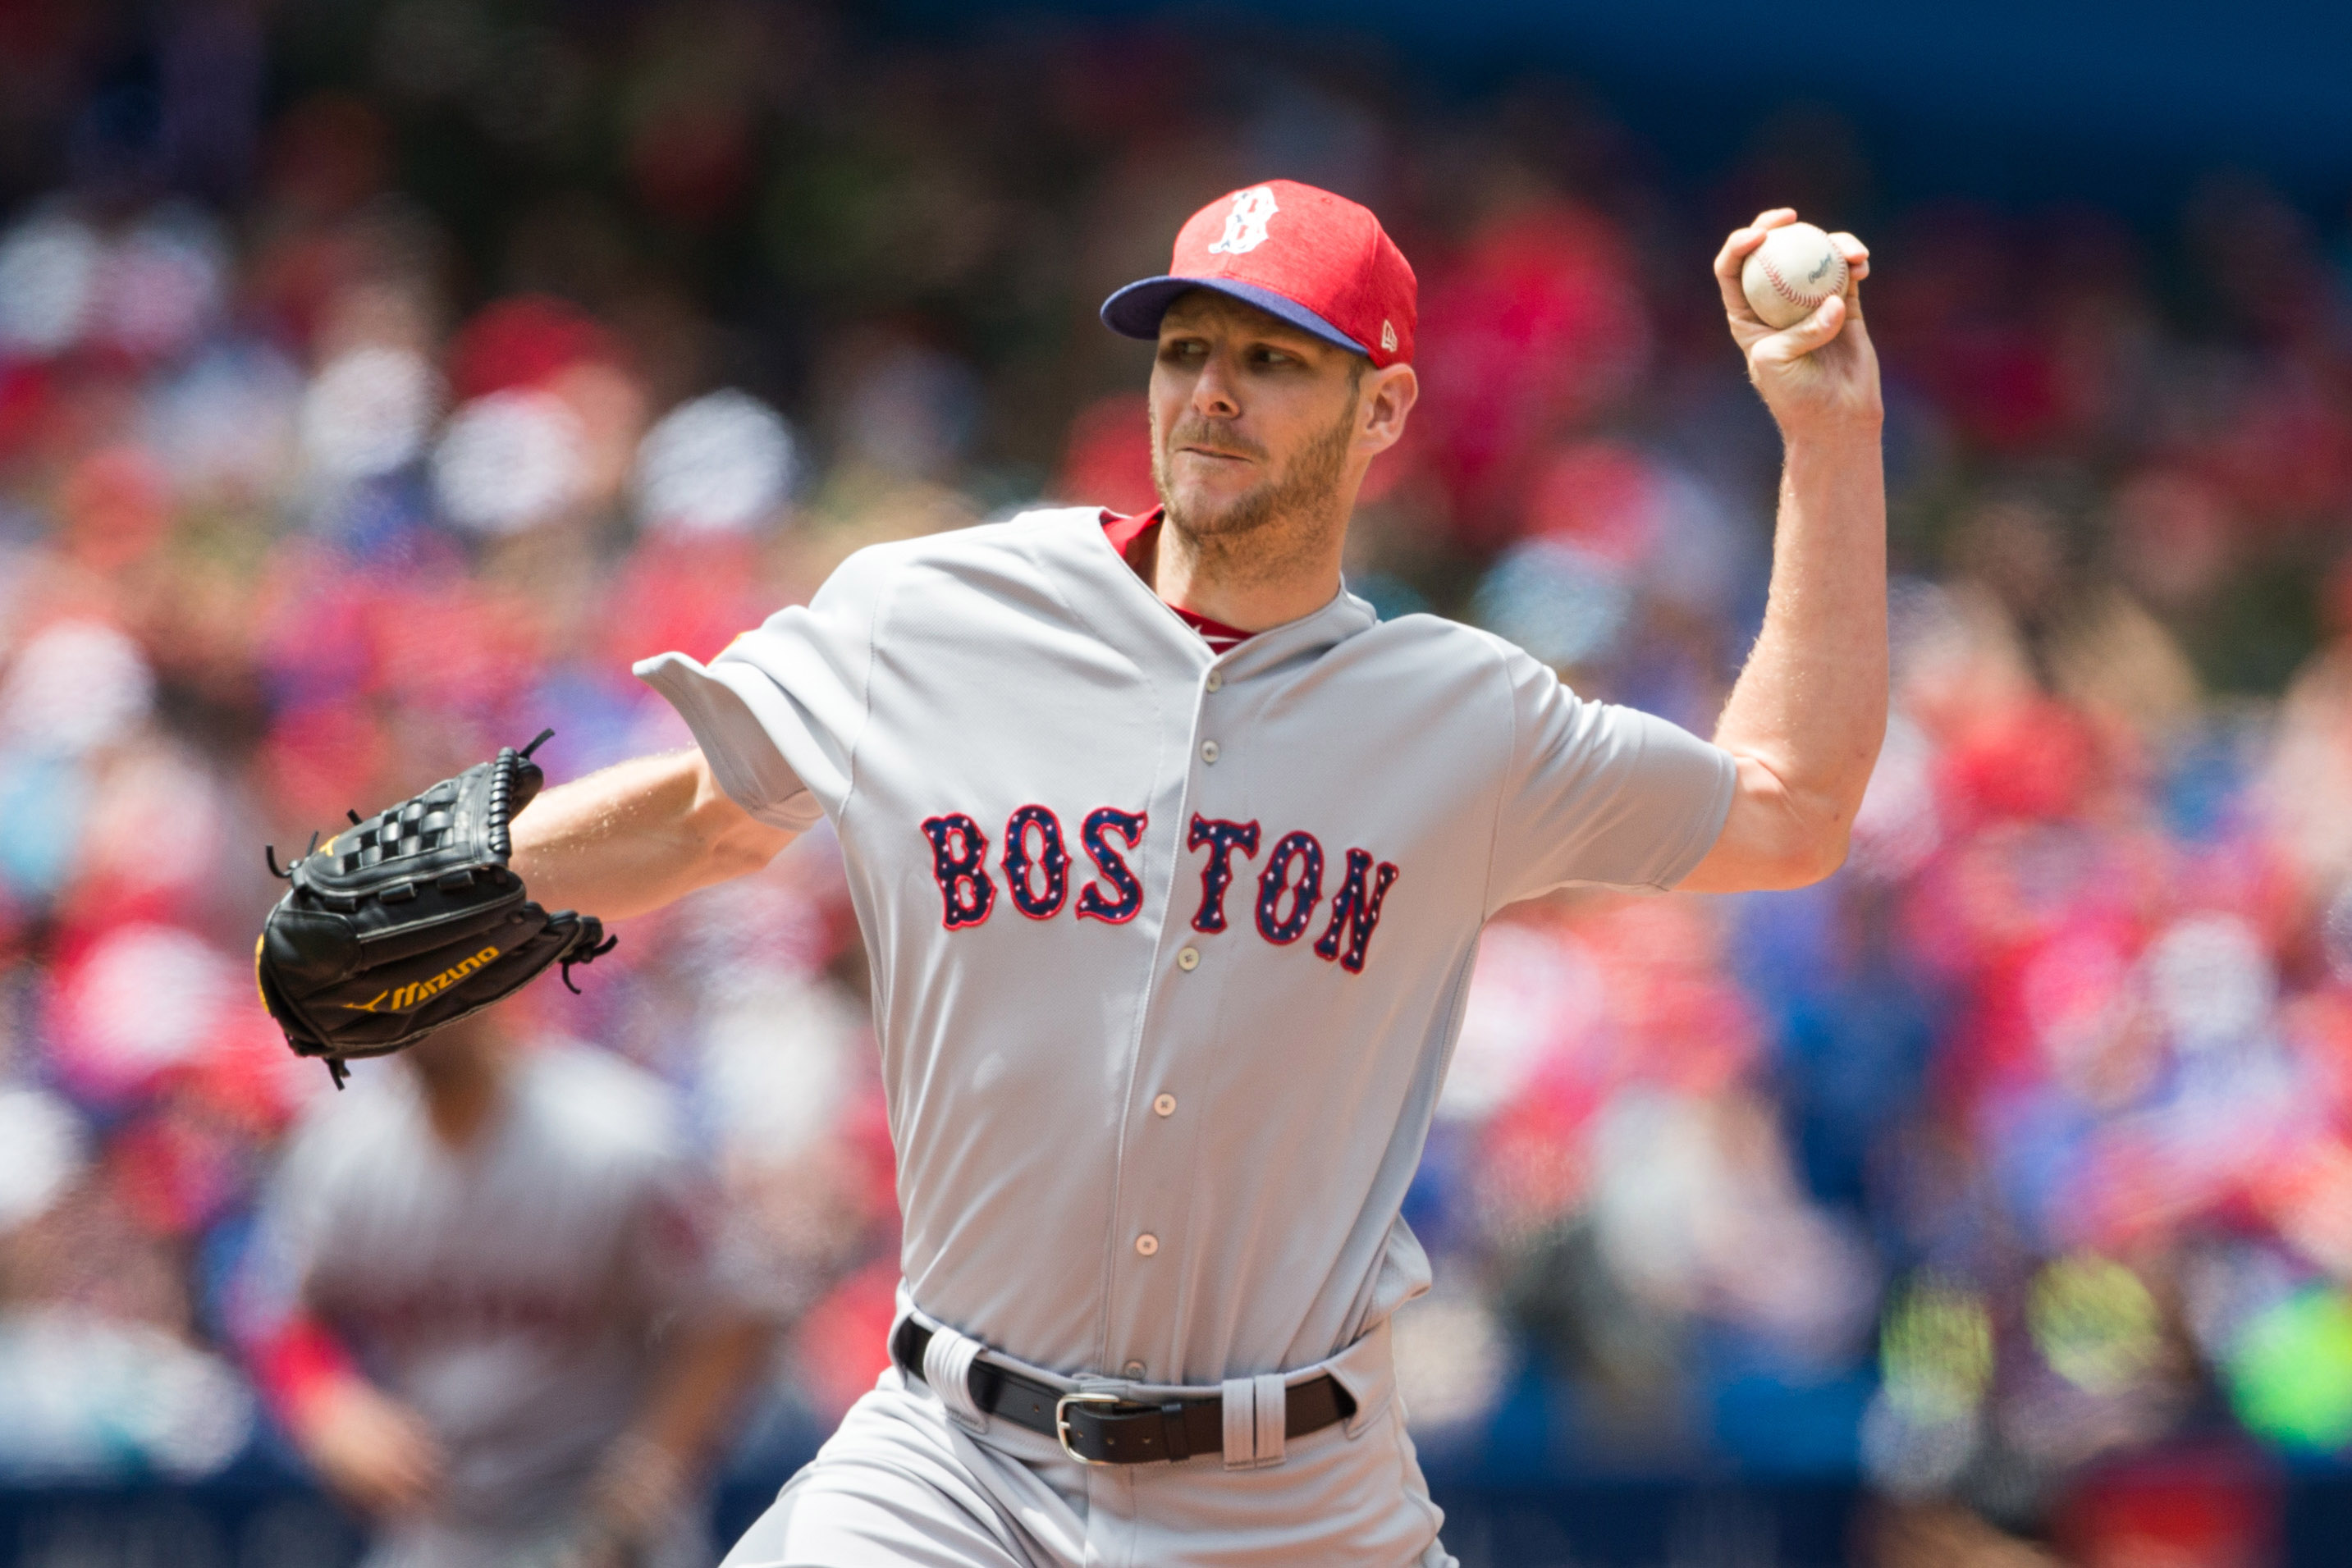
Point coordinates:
[(1605, 796), (638, 835), (1806, 718), (368, 1446)]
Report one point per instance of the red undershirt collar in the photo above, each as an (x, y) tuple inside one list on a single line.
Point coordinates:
[(1124, 534)]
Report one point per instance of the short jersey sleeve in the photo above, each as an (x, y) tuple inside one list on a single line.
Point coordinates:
[(1600, 795), (778, 714)]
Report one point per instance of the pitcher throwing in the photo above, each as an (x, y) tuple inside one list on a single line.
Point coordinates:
[(1172, 858)]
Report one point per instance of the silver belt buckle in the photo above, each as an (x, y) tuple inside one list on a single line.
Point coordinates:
[(1062, 1420)]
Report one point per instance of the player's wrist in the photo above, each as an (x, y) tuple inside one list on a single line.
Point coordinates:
[(303, 1372), (1842, 432)]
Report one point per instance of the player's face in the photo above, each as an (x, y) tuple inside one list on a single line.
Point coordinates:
[(1253, 421)]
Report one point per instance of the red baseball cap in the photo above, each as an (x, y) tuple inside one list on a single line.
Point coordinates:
[(1318, 261)]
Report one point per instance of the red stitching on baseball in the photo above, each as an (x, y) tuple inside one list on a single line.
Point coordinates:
[(1772, 274)]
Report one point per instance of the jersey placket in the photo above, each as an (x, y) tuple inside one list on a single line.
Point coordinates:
[(1187, 1019), (1163, 1115), (1145, 1254), (1149, 1274)]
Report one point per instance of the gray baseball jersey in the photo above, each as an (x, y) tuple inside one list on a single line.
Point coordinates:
[(1170, 947), (505, 1290)]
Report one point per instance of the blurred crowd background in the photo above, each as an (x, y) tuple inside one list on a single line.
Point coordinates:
[(378, 379)]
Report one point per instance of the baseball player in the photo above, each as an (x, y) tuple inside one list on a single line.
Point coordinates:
[(487, 1303), (1171, 860)]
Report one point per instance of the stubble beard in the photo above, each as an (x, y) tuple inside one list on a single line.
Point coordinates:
[(1284, 517)]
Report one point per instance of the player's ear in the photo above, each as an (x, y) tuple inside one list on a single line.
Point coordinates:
[(1387, 399)]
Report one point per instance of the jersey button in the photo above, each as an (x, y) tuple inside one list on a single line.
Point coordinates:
[(1215, 681), (1147, 1244), (1188, 959), (1132, 1372), (1209, 751), (1163, 1106)]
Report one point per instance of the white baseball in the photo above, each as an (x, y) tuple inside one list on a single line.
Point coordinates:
[(1791, 273)]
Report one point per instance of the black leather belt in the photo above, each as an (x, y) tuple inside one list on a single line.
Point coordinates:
[(1104, 1429)]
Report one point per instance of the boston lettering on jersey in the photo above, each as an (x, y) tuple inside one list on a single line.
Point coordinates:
[(1035, 863)]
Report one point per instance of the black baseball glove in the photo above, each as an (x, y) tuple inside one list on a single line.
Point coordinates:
[(410, 920)]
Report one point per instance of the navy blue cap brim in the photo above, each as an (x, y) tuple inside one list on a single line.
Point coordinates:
[(1135, 310)]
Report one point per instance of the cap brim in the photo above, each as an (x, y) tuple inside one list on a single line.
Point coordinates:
[(1135, 310)]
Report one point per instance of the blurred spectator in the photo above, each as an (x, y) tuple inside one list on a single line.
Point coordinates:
[(490, 1301)]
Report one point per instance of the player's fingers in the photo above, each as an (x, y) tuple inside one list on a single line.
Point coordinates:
[(1736, 246), (1858, 268), (1807, 335), (1743, 240), (408, 1482), (1734, 251), (414, 1459), (1727, 262), (1856, 254), (386, 1486)]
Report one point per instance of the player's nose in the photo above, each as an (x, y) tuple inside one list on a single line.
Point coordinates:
[(1215, 391)]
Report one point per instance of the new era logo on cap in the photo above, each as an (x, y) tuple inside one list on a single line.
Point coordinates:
[(1320, 261)]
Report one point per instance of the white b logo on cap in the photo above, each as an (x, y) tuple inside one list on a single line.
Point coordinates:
[(1245, 223)]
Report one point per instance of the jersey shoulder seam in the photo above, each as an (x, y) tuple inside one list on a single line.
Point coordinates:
[(1012, 533), (884, 593)]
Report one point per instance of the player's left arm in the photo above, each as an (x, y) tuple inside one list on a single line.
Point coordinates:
[(636, 836), (1806, 718)]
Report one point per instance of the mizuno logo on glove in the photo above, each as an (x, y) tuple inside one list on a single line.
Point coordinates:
[(400, 998)]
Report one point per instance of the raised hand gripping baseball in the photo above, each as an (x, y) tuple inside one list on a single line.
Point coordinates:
[(1820, 375)]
